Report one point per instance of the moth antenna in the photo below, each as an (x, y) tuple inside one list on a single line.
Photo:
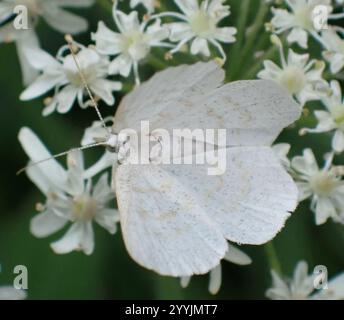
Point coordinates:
[(70, 41), (88, 146)]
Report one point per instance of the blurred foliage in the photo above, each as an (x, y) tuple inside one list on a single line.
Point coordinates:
[(110, 273)]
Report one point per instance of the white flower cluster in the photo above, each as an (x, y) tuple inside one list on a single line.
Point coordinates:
[(70, 198), (303, 77), (118, 52), (303, 286), (301, 24)]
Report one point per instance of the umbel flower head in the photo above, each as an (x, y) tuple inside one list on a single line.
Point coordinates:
[(199, 25), (299, 20), (71, 199), (63, 75), (301, 77), (304, 286), (324, 186), (54, 14), (131, 44)]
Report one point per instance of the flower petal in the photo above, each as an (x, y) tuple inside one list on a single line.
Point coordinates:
[(36, 151), (66, 98), (187, 6), (225, 34), (215, 279), (121, 65), (324, 209), (184, 281), (30, 40), (338, 141), (107, 41), (305, 164), (200, 45), (237, 256), (305, 190), (46, 223), (103, 89), (299, 36), (79, 237), (40, 86), (108, 219)]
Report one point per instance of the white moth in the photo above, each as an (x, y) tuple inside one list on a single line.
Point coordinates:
[(176, 219)]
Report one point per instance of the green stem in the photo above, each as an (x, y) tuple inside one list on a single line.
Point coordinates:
[(247, 50), (272, 257), (256, 27), (241, 26)]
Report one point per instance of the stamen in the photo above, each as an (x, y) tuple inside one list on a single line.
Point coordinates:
[(277, 42)]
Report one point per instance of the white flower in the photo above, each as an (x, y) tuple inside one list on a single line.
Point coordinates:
[(334, 53), (53, 14), (302, 78), (70, 198), (303, 286), (324, 186), (148, 4), (200, 25), (233, 255), (281, 150), (333, 118), (299, 19), (11, 293), (131, 44), (62, 75)]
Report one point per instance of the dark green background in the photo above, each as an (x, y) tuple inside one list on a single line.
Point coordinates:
[(109, 273)]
